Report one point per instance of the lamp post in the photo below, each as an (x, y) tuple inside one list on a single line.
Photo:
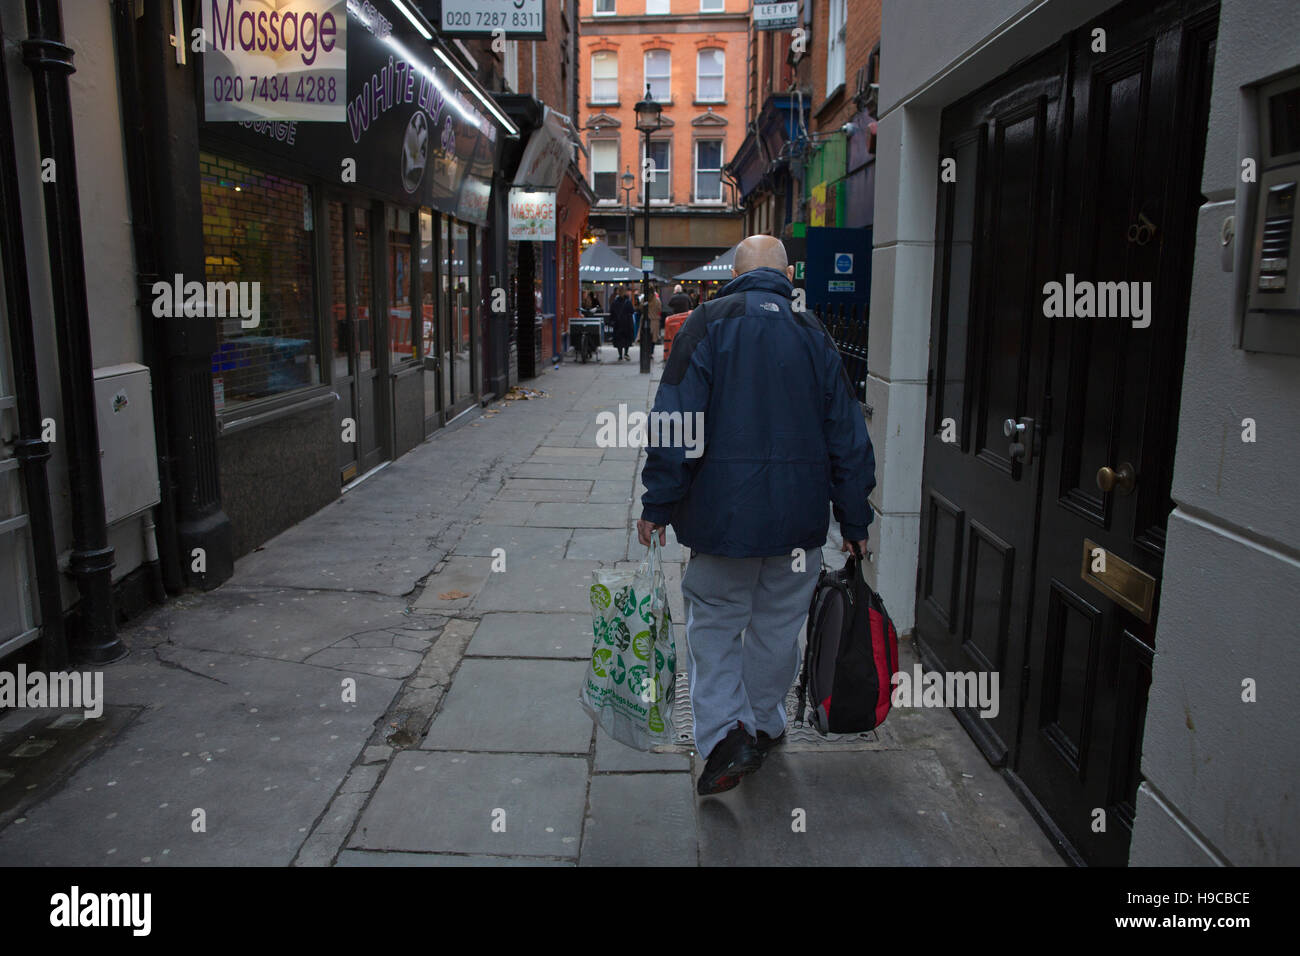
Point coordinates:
[(649, 119), (629, 182)]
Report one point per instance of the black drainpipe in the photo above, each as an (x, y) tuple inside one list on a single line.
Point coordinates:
[(30, 450), (146, 260), (50, 61)]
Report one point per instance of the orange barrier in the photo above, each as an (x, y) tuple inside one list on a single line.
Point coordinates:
[(671, 325)]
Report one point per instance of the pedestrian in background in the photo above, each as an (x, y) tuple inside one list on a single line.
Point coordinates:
[(620, 314), (680, 301), (784, 439)]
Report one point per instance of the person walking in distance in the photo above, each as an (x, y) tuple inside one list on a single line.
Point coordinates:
[(680, 301), (655, 309), (784, 439), (620, 314)]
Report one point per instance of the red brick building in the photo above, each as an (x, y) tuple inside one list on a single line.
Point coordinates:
[(692, 54), (809, 107)]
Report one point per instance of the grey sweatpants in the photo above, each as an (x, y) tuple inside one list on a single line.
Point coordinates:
[(735, 678)]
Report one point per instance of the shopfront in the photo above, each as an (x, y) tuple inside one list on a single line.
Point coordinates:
[(364, 240)]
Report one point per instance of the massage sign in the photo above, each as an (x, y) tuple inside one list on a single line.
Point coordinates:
[(401, 120), (269, 60)]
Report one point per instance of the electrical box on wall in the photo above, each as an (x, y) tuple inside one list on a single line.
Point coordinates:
[(1272, 319), (128, 458)]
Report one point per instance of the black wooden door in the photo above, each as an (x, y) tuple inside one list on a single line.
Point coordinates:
[(1087, 163), (1131, 188), (987, 362)]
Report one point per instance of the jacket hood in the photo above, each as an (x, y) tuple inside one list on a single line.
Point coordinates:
[(762, 279)]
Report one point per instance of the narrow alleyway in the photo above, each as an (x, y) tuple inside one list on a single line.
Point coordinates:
[(367, 690)]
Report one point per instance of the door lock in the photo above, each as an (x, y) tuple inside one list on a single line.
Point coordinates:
[(1119, 480), (1021, 433), (1141, 231)]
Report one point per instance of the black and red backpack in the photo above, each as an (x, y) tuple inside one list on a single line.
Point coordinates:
[(851, 654)]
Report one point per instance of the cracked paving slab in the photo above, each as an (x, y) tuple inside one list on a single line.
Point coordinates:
[(276, 741), (281, 623)]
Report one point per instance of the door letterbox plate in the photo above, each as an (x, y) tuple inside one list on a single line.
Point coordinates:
[(1127, 586)]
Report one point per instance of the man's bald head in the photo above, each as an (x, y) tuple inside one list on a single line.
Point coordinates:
[(758, 252)]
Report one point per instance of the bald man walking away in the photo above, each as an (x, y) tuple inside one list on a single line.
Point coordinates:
[(783, 438)]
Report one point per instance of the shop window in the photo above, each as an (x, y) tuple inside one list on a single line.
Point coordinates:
[(257, 233), (604, 77), (605, 8), (338, 279), (461, 312), (709, 74), (428, 310), (604, 169), (661, 160), (658, 75), (401, 275), (367, 344), (708, 170)]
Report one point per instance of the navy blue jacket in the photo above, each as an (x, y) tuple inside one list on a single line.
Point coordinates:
[(783, 431)]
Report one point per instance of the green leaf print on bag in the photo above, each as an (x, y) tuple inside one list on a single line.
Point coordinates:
[(655, 721), (619, 635), (625, 600), (599, 597), (646, 615), (599, 659), (618, 670), (638, 678), (641, 645)]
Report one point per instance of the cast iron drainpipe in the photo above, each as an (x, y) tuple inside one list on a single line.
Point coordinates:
[(30, 450), (50, 61)]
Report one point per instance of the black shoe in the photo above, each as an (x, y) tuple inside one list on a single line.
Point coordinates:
[(764, 743), (735, 756)]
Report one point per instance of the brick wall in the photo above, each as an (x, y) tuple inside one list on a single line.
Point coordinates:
[(683, 33), (862, 35), (554, 71)]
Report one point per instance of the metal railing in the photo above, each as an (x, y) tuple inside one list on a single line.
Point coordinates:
[(847, 325)]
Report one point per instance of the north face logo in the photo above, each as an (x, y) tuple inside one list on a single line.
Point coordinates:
[(770, 306)]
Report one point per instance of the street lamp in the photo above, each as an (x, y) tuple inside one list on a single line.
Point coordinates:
[(649, 119), (629, 181)]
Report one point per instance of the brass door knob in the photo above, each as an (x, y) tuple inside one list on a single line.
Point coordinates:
[(1120, 480)]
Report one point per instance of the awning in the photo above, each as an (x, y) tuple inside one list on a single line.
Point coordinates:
[(600, 263), (718, 270)]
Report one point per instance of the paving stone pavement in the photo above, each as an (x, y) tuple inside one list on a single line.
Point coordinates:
[(394, 682)]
